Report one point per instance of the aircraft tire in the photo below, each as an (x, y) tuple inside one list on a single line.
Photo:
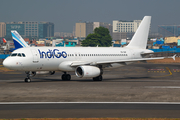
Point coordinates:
[(28, 80), (66, 77), (63, 77), (98, 78)]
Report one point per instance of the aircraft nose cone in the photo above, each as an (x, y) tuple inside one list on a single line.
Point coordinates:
[(7, 63)]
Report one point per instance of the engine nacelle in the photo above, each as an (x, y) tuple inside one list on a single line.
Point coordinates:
[(87, 71)]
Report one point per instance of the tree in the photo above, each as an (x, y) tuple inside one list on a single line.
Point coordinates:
[(100, 37)]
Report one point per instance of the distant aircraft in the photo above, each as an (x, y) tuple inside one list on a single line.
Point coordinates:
[(87, 62), (4, 40)]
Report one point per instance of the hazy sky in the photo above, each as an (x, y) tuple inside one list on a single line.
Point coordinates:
[(65, 13)]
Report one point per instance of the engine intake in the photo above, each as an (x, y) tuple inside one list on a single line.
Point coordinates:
[(87, 71)]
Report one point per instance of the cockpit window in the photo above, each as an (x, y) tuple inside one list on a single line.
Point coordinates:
[(18, 54), (23, 55), (14, 54)]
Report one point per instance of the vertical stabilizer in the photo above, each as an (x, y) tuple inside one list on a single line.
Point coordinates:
[(18, 40), (4, 40), (140, 37)]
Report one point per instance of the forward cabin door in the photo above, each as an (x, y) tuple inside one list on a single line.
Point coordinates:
[(35, 56)]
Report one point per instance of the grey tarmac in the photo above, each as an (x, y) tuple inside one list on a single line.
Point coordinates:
[(148, 90), (139, 82)]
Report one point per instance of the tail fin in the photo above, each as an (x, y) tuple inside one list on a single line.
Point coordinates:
[(18, 40), (140, 37), (4, 40)]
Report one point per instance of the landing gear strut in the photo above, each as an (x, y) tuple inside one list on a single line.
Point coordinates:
[(66, 76), (99, 78), (27, 79)]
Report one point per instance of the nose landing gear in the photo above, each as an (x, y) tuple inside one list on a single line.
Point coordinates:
[(29, 73), (28, 80)]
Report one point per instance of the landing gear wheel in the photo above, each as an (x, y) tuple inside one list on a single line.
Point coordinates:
[(98, 78), (29, 74), (66, 77), (28, 80), (63, 77)]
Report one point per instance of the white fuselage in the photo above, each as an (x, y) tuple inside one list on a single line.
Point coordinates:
[(51, 58)]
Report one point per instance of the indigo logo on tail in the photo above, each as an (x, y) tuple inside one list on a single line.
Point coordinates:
[(18, 40), (52, 54)]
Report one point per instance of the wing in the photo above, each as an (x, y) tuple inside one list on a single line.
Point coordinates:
[(115, 61)]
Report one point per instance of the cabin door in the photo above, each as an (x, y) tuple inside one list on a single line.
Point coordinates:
[(35, 56)]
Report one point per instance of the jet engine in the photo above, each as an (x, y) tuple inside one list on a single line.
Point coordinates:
[(87, 71)]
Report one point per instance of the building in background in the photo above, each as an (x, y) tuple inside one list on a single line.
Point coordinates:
[(46, 29), (83, 29), (30, 30), (18, 26), (124, 29), (171, 39), (63, 35), (2, 29), (169, 30)]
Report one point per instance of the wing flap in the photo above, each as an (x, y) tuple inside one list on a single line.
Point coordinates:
[(129, 60)]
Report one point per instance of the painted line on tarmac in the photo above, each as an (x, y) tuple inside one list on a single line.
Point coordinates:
[(170, 73), (170, 87), (2, 103)]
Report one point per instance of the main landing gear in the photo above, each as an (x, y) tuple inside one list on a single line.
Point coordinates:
[(98, 78), (66, 76)]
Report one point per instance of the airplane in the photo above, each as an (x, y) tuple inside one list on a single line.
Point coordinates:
[(86, 62), (4, 40)]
